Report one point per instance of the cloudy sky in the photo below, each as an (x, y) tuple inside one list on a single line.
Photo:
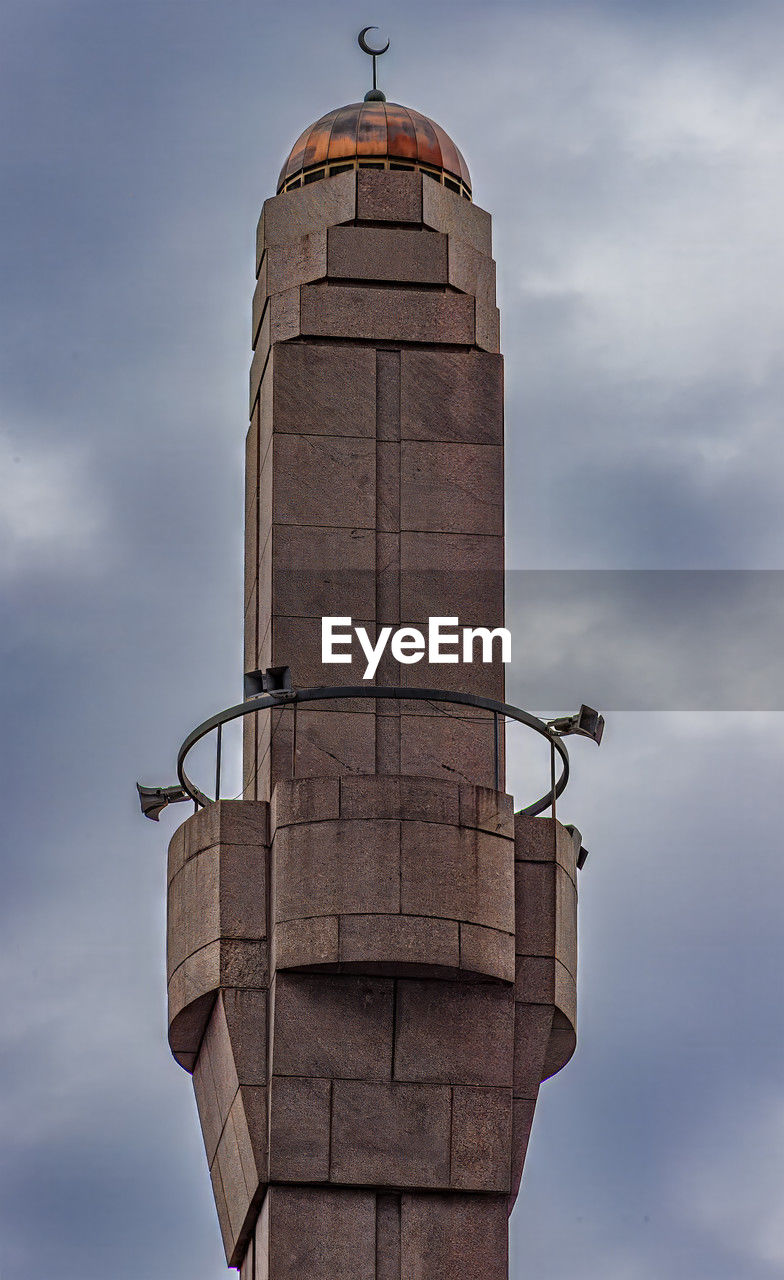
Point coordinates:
[(631, 154)]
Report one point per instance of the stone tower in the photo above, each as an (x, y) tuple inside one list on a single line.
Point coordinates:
[(371, 958)]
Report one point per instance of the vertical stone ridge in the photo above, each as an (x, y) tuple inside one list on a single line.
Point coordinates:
[(387, 545), (388, 1237)]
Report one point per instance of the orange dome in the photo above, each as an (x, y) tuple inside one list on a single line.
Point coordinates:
[(377, 135)]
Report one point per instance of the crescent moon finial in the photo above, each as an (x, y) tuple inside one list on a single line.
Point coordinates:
[(374, 94), (365, 47)]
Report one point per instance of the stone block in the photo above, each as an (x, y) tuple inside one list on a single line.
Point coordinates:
[(335, 868), (246, 1026), (444, 210), (385, 315), (433, 745), (333, 1026), (323, 481), (193, 908), (487, 951), (325, 389), (248, 1115), (227, 1236), (299, 1129), (544, 840), (323, 572), (487, 810), (281, 320), (453, 575), (388, 254), (451, 396), (481, 679), (474, 272), (533, 1023), (544, 980), (298, 262), (522, 1120), (243, 963), (305, 800), (329, 744), (300, 944), (243, 901), (451, 488), (310, 1233), (235, 1189), (296, 213), (390, 1135), (398, 796), (218, 1055), (546, 913), (398, 944), (481, 1139), (384, 196), (296, 643), (191, 992), (560, 1046), (454, 1033), (388, 1238), (210, 1117), (458, 874), (453, 1237)]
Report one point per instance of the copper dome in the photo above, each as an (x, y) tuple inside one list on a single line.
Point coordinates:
[(379, 135)]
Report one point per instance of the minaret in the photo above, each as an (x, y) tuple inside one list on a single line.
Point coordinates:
[(371, 958)]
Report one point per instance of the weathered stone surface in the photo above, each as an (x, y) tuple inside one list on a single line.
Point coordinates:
[(474, 272), (299, 944), (295, 213), (544, 840), (451, 396), (398, 796), (388, 1238), (522, 1120), (328, 744), (332, 868), (296, 643), (546, 913), (396, 942), (390, 1135), (454, 1236), (444, 210), (325, 389), (393, 254), (452, 575), (460, 874), (333, 1027), (560, 1046), (533, 1023), (481, 1139), (459, 1033), (299, 1129), (487, 810), (379, 315), (281, 320), (442, 746), (323, 481), (451, 488), (323, 572), (487, 951), (316, 1233), (230, 822), (544, 980), (306, 800), (389, 197)]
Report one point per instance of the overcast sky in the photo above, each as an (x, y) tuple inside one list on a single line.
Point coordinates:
[(631, 155)]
